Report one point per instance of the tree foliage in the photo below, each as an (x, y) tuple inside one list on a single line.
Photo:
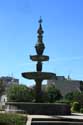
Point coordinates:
[(53, 93), (69, 96), (19, 93), (2, 87), (12, 119), (73, 96)]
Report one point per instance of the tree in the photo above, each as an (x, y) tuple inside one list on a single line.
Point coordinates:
[(2, 87), (72, 96), (53, 93), (69, 96), (19, 93)]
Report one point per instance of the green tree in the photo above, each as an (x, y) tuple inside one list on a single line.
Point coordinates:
[(53, 93), (19, 93), (72, 96), (2, 87), (80, 98), (69, 96)]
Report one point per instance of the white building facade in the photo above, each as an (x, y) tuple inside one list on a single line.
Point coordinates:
[(66, 85)]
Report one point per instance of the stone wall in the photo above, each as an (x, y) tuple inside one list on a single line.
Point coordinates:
[(42, 108)]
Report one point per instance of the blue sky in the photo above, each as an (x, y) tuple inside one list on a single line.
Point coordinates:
[(63, 36)]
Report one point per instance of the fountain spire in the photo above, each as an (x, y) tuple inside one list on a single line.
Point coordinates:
[(40, 45), (40, 32)]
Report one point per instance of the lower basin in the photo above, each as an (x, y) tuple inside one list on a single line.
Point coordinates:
[(39, 108), (38, 75)]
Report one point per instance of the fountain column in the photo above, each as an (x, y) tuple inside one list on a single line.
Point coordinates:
[(39, 50), (38, 91)]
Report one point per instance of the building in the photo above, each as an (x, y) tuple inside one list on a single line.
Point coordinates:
[(66, 85), (3, 99), (7, 82)]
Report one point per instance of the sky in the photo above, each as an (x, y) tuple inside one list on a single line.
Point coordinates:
[(63, 37)]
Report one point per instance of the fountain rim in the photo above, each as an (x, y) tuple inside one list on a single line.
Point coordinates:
[(38, 75), (39, 57)]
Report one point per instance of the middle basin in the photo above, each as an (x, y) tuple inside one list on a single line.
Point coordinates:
[(38, 75)]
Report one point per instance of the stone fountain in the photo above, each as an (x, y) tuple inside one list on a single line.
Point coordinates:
[(39, 76), (38, 107)]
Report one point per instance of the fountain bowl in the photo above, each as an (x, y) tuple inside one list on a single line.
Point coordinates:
[(38, 75), (39, 58)]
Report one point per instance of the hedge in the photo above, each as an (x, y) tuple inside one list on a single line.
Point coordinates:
[(12, 119), (81, 110), (75, 107)]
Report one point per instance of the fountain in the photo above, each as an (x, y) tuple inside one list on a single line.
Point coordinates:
[(39, 107), (39, 76)]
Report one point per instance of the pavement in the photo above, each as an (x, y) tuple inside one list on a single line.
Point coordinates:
[(77, 118)]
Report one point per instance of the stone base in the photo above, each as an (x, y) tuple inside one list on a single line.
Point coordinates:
[(54, 120), (39, 108)]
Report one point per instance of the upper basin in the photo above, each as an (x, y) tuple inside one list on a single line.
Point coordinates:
[(38, 75), (39, 58)]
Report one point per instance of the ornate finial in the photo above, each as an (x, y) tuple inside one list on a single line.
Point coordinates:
[(40, 30), (40, 20)]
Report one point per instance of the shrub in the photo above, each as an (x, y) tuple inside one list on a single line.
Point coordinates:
[(19, 93), (53, 93), (12, 119), (73, 96), (81, 110), (75, 107), (64, 101)]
